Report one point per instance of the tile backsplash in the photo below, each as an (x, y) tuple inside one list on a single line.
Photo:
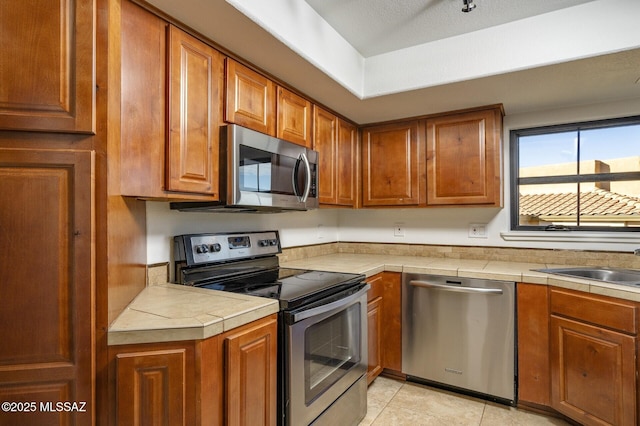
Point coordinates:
[(159, 273), (527, 255)]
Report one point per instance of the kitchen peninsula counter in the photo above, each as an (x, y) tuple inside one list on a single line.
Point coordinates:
[(371, 264), (172, 312)]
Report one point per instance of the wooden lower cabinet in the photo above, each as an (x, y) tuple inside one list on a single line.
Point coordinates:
[(374, 324), (227, 379), (251, 374), (593, 358), (384, 325), (533, 344)]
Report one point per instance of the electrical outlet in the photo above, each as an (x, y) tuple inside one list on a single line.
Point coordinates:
[(398, 229), (478, 230)]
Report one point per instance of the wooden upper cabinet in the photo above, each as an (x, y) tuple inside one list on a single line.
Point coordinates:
[(47, 288), (47, 66), (337, 144), (250, 98), (196, 73), (392, 166), (464, 164), (143, 102), (294, 122), (347, 164)]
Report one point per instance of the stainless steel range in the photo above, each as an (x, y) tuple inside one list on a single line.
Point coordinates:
[(322, 337)]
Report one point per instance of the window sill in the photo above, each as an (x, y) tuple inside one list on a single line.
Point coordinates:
[(570, 236)]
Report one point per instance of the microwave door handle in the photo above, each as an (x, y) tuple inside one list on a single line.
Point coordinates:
[(307, 187), (294, 180)]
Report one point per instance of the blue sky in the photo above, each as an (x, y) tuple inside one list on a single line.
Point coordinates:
[(598, 144)]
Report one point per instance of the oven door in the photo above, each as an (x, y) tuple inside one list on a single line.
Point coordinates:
[(326, 352)]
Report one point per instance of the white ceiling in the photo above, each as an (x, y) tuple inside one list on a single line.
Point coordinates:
[(371, 62), (381, 26)]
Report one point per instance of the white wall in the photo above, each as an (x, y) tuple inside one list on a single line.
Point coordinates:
[(422, 226), (296, 228)]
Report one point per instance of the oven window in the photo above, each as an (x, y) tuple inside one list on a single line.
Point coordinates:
[(332, 348), (262, 171)]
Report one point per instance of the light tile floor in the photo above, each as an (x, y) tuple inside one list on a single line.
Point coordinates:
[(397, 403)]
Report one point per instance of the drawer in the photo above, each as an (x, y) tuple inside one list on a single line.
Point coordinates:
[(607, 312)]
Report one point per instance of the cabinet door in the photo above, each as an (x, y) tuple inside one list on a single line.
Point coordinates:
[(47, 65), (374, 318), (250, 378), (391, 165), (143, 103), (347, 164), (325, 141), (251, 99), (463, 159), (195, 102), (533, 344), (152, 387), (47, 286), (294, 118), (392, 321), (593, 373)]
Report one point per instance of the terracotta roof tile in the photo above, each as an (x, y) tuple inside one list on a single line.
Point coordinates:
[(597, 202)]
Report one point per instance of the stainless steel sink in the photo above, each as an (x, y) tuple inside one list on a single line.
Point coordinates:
[(609, 275)]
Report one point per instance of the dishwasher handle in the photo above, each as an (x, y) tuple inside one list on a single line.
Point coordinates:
[(455, 288)]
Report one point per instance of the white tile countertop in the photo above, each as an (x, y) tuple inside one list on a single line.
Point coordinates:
[(172, 312), (371, 264)]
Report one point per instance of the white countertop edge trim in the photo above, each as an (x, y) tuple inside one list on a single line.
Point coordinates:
[(570, 236)]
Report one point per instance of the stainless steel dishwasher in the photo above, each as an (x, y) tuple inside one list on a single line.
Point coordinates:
[(459, 333)]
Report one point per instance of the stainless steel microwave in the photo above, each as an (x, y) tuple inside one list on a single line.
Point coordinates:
[(261, 174)]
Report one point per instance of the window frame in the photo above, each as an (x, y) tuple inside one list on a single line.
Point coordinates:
[(515, 180)]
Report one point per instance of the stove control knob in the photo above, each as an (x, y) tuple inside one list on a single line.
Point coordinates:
[(263, 243), (273, 242), (203, 248), (214, 248)]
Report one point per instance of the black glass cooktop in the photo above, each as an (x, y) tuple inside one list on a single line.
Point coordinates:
[(292, 287)]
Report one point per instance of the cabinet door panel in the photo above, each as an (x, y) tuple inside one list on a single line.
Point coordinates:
[(326, 143), (151, 387), (294, 118), (347, 164), (533, 344), (47, 284), (463, 159), (46, 66), (391, 165), (374, 318), (196, 72), (251, 99), (251, 374), (593, 378)]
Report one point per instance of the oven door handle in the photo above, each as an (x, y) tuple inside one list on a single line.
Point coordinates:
[(333, 306), (455, 288)]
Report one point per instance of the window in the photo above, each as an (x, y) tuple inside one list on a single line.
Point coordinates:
[(581, 176)]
